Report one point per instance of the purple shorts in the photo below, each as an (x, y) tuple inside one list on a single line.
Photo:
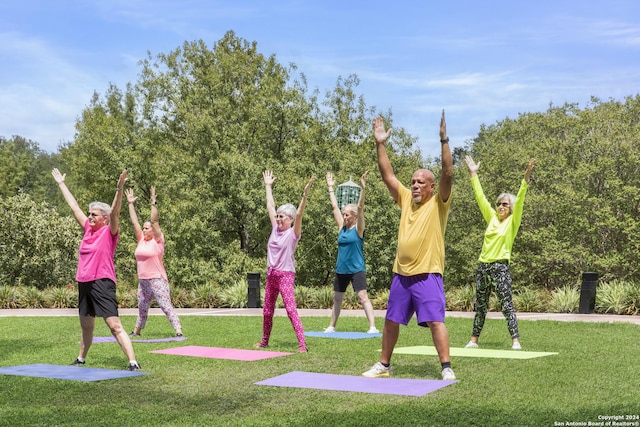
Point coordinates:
[(422, 294)]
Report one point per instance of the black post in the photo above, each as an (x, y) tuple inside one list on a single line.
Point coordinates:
[(253, 290), (588, 292)]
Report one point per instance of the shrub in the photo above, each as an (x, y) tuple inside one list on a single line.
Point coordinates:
[(30, 297), (304, 297), (181, 298), (615, 297), (234, 296), (62, 297), (205, 296), (461, 298), (323, 297), (564, 300), (380, 299), (530, 300), (8, 297)]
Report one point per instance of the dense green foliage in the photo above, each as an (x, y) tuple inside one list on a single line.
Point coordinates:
[(593, 374), (201, 124)]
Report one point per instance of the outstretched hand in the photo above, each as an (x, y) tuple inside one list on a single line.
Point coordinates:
[(471, 165), (268, 177), (59, 177), (330, 179), (443, 127), (527, 173), (379, 133), (363, 179), (130, 197), (308, 186)]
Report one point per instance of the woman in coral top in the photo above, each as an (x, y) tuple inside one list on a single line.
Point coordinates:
[(152, 277)]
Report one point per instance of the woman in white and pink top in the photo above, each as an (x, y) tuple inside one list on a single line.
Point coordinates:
[(286, 226), (152, 277)]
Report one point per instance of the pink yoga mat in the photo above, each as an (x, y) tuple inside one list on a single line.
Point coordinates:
[(221, 353)]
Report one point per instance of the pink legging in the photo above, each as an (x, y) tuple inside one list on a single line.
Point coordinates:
[(158, 288), (280, 281)]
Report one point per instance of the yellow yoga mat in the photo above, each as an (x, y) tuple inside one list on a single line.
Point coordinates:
[(473, 352)]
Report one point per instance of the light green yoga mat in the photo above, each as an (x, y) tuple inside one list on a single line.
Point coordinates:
[(473, 352)]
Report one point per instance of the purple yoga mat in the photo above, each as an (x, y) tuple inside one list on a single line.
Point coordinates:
[(398, 386), (343, 335), (112, 339), (76, 373), (221, 353)]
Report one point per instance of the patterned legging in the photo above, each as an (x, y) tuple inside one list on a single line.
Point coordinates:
[(158, 288), (282, 282), (489, 275)]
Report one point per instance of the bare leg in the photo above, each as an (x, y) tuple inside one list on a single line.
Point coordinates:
[(368, 307), (440, 340), (121, 336), (389, 339), (87, 323), (337, 305)]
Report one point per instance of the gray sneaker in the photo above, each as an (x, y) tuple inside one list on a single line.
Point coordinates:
[(378, 370)]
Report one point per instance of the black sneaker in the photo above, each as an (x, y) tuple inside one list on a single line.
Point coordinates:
[(133, 334), (77, 363), (178, 335), (133, 367)]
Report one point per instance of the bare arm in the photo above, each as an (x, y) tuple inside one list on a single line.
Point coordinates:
[(68, 197), (131, 199), (155, 217), (297, 226), (527, 173), (446, 179), (360, 218), (337, 215), (386, 171), (271, 204), (117, 204)]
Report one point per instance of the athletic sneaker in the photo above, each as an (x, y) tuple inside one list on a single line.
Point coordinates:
[(178, 335), (77, 363), (471, 344), (373, 330), (132, 334), (378, 370), (516, 346), (330, 329), (133, 367), (448, 375)]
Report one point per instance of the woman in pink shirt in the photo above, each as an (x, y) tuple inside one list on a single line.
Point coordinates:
[(152, 277), (286, 226), (96, 275)]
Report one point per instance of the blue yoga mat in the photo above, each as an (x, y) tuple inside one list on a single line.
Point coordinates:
[(398, 386), (342, 335), (75, 373)]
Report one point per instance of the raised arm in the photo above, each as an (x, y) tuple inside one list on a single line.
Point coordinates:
[(386, 171), (446, 178), (155, 217), (337, 215), (271, 204), (68, 197), (360, 218), (117, 204), (297, 226), (131, 199), (527, 173)]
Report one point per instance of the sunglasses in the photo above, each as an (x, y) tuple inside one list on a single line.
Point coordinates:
[(505, 204)]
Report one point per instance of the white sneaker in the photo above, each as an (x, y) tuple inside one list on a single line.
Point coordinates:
[(516, 346), (378, 370), (330, 329), (471, 344), (448, 375), (373, 330)]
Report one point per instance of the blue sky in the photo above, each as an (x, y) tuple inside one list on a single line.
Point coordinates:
[(480, 61)]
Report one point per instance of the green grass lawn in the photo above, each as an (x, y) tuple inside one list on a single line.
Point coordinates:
[(595, 374)]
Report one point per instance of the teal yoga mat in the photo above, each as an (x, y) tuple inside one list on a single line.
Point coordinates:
[(473, 352)]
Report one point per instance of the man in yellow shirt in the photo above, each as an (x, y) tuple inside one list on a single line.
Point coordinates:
[(417, 285)]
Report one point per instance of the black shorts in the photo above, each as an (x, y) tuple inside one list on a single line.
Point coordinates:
[(97, 298), (358, 280)]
